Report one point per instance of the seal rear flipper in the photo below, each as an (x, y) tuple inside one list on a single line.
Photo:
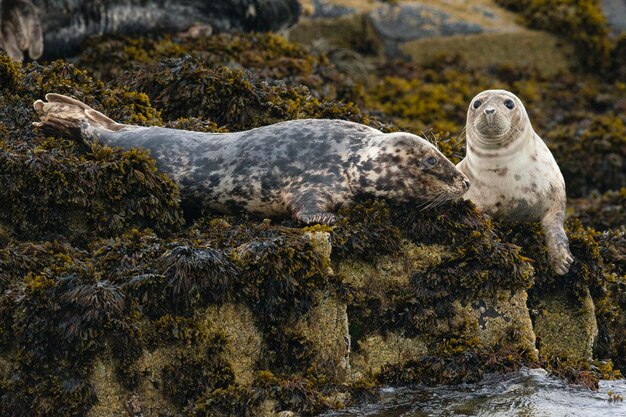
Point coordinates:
[(21, 29), (72, 117)]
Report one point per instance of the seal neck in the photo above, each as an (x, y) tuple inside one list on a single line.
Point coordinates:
[(522, 143)]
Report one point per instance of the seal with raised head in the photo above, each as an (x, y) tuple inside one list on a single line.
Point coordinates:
[(304, 168), (513, 174)]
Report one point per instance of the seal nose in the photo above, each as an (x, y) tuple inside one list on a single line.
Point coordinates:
[(466, 184), (489, 113)]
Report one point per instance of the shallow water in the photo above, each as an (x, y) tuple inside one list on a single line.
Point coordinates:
[(527, 393)]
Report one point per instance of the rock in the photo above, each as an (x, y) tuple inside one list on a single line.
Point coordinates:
[(244, 345), (236, 322), (352, 32), (376, 279), (111, 395), (377, 350), (326, 327), (542, 51), (113, 398), (405, 22), (565, 326), (133, 406), (65, 26), (326, 324), (326, 9), (491, 319), (615, 13), (481, 32), (500, 316)]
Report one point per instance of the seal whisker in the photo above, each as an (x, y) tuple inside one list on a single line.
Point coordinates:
[(434, 202), (463, 133), (442, 200), (425, 203)]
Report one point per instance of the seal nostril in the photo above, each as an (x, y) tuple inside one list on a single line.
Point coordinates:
[(490, 110), (466, 184)]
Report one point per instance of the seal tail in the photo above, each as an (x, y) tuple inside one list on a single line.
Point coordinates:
[(72, 117)]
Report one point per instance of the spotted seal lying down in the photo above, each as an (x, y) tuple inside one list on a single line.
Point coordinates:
[(304, 168)]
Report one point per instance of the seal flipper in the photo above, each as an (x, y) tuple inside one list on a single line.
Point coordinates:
[(557, 243), (322, 217), (72, 117), (20, 29), (310, 207)]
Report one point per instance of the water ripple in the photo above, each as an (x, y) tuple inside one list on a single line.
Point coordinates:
[(527, 393)]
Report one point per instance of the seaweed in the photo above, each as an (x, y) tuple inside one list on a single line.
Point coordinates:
[(270, 56), (590, 153), (47, 183), (600, 211), (580, 21), (291, 393), (611, 305), (189, 377), (232, 98), (69, 306)]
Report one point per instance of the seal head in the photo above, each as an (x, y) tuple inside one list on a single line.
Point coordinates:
[(513, 173), (495, 119), (406, 168)]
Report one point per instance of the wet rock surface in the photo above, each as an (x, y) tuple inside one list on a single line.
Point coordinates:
[(615, 13)]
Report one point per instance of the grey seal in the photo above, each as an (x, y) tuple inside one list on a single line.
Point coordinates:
[(513, 174), (304, 168), (56, 28)]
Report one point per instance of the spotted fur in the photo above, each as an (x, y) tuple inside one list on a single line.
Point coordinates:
[(304, 168), (513, 173)]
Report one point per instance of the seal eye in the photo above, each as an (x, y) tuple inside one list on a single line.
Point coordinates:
[(477, 104), (509, 104), (431, 161)]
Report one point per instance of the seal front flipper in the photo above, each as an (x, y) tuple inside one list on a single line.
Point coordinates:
[(557, 243), (21, 29), (322, 217), (72, 117), (310, 207)]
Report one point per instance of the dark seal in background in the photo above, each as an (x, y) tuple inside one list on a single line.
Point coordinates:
[(56, 28)]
